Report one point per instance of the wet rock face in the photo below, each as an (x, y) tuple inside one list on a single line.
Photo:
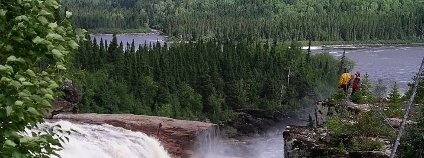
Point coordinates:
[(253, 121), (177, 136), (68, 102)]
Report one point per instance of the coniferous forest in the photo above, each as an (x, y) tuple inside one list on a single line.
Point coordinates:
[(323, 20), (199, 80)]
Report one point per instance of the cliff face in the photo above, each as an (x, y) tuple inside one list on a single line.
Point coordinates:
[(178, 136)]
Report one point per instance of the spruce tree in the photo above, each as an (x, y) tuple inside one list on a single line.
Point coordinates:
[(394, 96)]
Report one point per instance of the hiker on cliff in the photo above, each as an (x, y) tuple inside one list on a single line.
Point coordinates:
[(356, 86), (344, 80)]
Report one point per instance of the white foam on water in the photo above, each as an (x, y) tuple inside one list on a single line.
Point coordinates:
[(312, 47), (106, 141)]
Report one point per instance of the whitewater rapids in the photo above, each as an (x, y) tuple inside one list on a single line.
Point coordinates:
[(106, 141)]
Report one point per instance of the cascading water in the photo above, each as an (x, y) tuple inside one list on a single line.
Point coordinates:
[(213, 145), (106, 141)]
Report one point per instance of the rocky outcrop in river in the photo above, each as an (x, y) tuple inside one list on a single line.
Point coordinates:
[(178, 136)]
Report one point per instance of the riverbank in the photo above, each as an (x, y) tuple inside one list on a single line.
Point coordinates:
[(119, 31), (366, 42)]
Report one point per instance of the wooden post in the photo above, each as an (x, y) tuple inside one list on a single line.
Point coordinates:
[(408, 108)]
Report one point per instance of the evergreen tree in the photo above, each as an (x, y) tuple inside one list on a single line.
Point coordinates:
[(380, 89), (394, 96), (366, 88)]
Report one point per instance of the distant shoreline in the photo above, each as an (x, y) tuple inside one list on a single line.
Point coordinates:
[(360, 46), (371, 43), (151, 32), (323, 44)]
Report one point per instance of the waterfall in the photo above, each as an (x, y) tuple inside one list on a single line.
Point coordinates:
[(106, 141), (213, 145)]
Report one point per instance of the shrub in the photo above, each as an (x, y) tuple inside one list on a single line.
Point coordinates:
[(380, 89), (229, 131), (366, 144), (338, 95), (370, 125), (335, 125), (358, 97)]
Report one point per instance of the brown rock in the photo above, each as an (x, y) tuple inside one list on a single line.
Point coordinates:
[(66, 103), (177, 136), (395, 122)]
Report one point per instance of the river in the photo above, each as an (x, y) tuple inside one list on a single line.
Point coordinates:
[(138, 38), (395, 63)]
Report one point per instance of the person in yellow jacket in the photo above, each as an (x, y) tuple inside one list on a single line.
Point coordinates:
[(344, 80)]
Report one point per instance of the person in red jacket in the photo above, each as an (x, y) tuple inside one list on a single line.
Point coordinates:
[(356, 86)]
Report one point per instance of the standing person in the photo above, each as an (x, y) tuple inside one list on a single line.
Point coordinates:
[(344, 80), (356, 86)]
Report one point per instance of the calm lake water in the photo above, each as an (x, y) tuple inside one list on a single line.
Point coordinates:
[(139, 38)]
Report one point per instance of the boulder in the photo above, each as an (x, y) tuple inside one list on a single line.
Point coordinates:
[(179, 137), (66, 103), (357, 108), (395, 122)]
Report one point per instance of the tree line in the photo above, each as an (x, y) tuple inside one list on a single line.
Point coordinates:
[(208, 79), (329, 20)]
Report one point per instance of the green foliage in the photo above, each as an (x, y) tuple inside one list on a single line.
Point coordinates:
[(229, 131), (34, 46), (335, 125), (370, 125), (360, 20), (394, 108), (394, 96), (355, 132), (339, 95), (380, 89), (366, 144), (412, 142), (367, 95), (199, 80), (358, 97)]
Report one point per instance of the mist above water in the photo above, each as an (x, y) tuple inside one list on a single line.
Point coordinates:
[(270, 145)]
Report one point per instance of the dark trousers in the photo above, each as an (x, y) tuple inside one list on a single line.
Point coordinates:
[(345, 87)]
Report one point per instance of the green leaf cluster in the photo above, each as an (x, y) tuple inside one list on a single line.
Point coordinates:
[(34, 45)]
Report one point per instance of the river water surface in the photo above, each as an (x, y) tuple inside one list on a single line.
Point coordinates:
[(390, 63)]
